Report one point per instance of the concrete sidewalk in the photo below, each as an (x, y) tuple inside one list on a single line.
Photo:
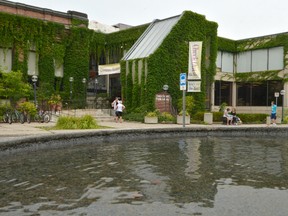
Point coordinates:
[(20, 130)]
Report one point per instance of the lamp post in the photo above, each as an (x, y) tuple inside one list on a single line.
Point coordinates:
[(34, 80), (95, 91), (282, 92), (84, 83), (165, 88), (71, 79)]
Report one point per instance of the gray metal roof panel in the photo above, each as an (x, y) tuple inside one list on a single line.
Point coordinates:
[(151, 39)]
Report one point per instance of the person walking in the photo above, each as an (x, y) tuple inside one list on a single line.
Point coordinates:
[(119, 110), (273, 113), (114, 106)]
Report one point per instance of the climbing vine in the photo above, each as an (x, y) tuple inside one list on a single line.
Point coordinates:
[(171, 59)]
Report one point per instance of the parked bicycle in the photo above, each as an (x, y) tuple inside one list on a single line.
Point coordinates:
[(7, 117), (17, 116), (42, 116), (27, 117)]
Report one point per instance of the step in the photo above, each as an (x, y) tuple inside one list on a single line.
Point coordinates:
[(99, 114)]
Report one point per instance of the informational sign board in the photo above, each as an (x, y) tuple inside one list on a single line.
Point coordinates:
[(276, 94), (183, 81), (194, 86)]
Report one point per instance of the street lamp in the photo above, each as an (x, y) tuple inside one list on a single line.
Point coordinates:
[(282, 92), (84, 83), (165, 88), (34, 80), (95, 91), (71, 79)]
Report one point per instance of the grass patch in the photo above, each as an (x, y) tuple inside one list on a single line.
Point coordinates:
[(70, 122)]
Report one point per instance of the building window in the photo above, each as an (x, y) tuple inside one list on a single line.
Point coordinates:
[(32, 64), (260, 60), (225, 61), (223, 93), (258, 93), (5, 59)]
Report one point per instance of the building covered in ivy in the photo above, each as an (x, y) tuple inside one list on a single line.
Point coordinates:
[(56, 46)]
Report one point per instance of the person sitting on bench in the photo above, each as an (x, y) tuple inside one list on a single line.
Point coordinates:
[(228, 116)]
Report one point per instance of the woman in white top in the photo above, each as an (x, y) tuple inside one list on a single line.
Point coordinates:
[(119, 109), (228, 116)]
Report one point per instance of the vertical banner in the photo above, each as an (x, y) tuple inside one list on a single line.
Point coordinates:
[(194, 66)]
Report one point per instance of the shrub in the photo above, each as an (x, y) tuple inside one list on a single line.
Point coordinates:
[(138, 117), (189, 104), (28, 107), (70, 122), (166, 117), (285, 119), (186, 113), (155, 113), (245, 117), (222, 107)]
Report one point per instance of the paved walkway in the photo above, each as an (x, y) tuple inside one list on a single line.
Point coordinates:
[(8, 131)]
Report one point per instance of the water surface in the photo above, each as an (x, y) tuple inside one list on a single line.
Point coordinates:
[(191, 176)]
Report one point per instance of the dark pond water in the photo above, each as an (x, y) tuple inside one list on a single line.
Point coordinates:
[(191, 176)]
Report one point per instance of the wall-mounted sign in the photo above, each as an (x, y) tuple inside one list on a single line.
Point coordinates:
[(194, 86)]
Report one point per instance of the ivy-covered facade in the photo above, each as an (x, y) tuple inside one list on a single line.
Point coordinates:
[(62, 51), (257, 74)]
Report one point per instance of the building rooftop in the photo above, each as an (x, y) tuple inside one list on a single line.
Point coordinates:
[(152, 38)]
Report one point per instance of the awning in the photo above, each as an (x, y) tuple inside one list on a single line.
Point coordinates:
[(109, 69)]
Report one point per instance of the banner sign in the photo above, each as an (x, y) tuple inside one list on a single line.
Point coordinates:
[(109, 69), (194, 86), (194, 66)]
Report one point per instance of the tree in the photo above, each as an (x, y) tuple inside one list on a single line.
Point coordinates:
[(13, 87)]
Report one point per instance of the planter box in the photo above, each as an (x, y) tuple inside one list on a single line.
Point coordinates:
[(208, 118), (151, 120), (180, 119)]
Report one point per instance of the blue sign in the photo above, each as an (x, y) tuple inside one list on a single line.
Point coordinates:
[(183, 81)]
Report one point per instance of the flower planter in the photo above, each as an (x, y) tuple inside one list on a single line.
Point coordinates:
[(180, 119), (151, 120)]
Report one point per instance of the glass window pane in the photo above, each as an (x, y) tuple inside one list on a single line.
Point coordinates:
[(32, 64), (259, 94), (276, 58), (223, 93), (259, 60), (6, 59), (59, 70), (219, 59), (243, 94), (244, 62), (227, 62)]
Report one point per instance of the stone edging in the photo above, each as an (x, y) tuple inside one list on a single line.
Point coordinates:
[(103, 136)]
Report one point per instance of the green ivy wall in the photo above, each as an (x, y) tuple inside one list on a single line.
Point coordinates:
[(73, 47), (168, 61), (54, 44)]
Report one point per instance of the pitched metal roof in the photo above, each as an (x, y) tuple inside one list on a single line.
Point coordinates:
[(151, 39)]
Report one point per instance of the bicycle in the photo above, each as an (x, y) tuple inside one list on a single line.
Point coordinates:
[(42, 116), (17, 116), (7, 117), (27, 117)]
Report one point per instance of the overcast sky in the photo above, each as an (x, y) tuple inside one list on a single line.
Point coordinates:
[(237, 19)]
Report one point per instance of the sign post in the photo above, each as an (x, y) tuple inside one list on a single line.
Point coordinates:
[(276, 94), (183, 88), (282, 92)]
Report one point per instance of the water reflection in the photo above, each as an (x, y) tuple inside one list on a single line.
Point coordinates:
[(192, 175)]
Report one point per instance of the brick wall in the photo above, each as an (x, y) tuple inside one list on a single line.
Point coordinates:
[(40, 13)]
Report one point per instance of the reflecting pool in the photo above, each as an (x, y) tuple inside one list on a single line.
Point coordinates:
[(190, 176)]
